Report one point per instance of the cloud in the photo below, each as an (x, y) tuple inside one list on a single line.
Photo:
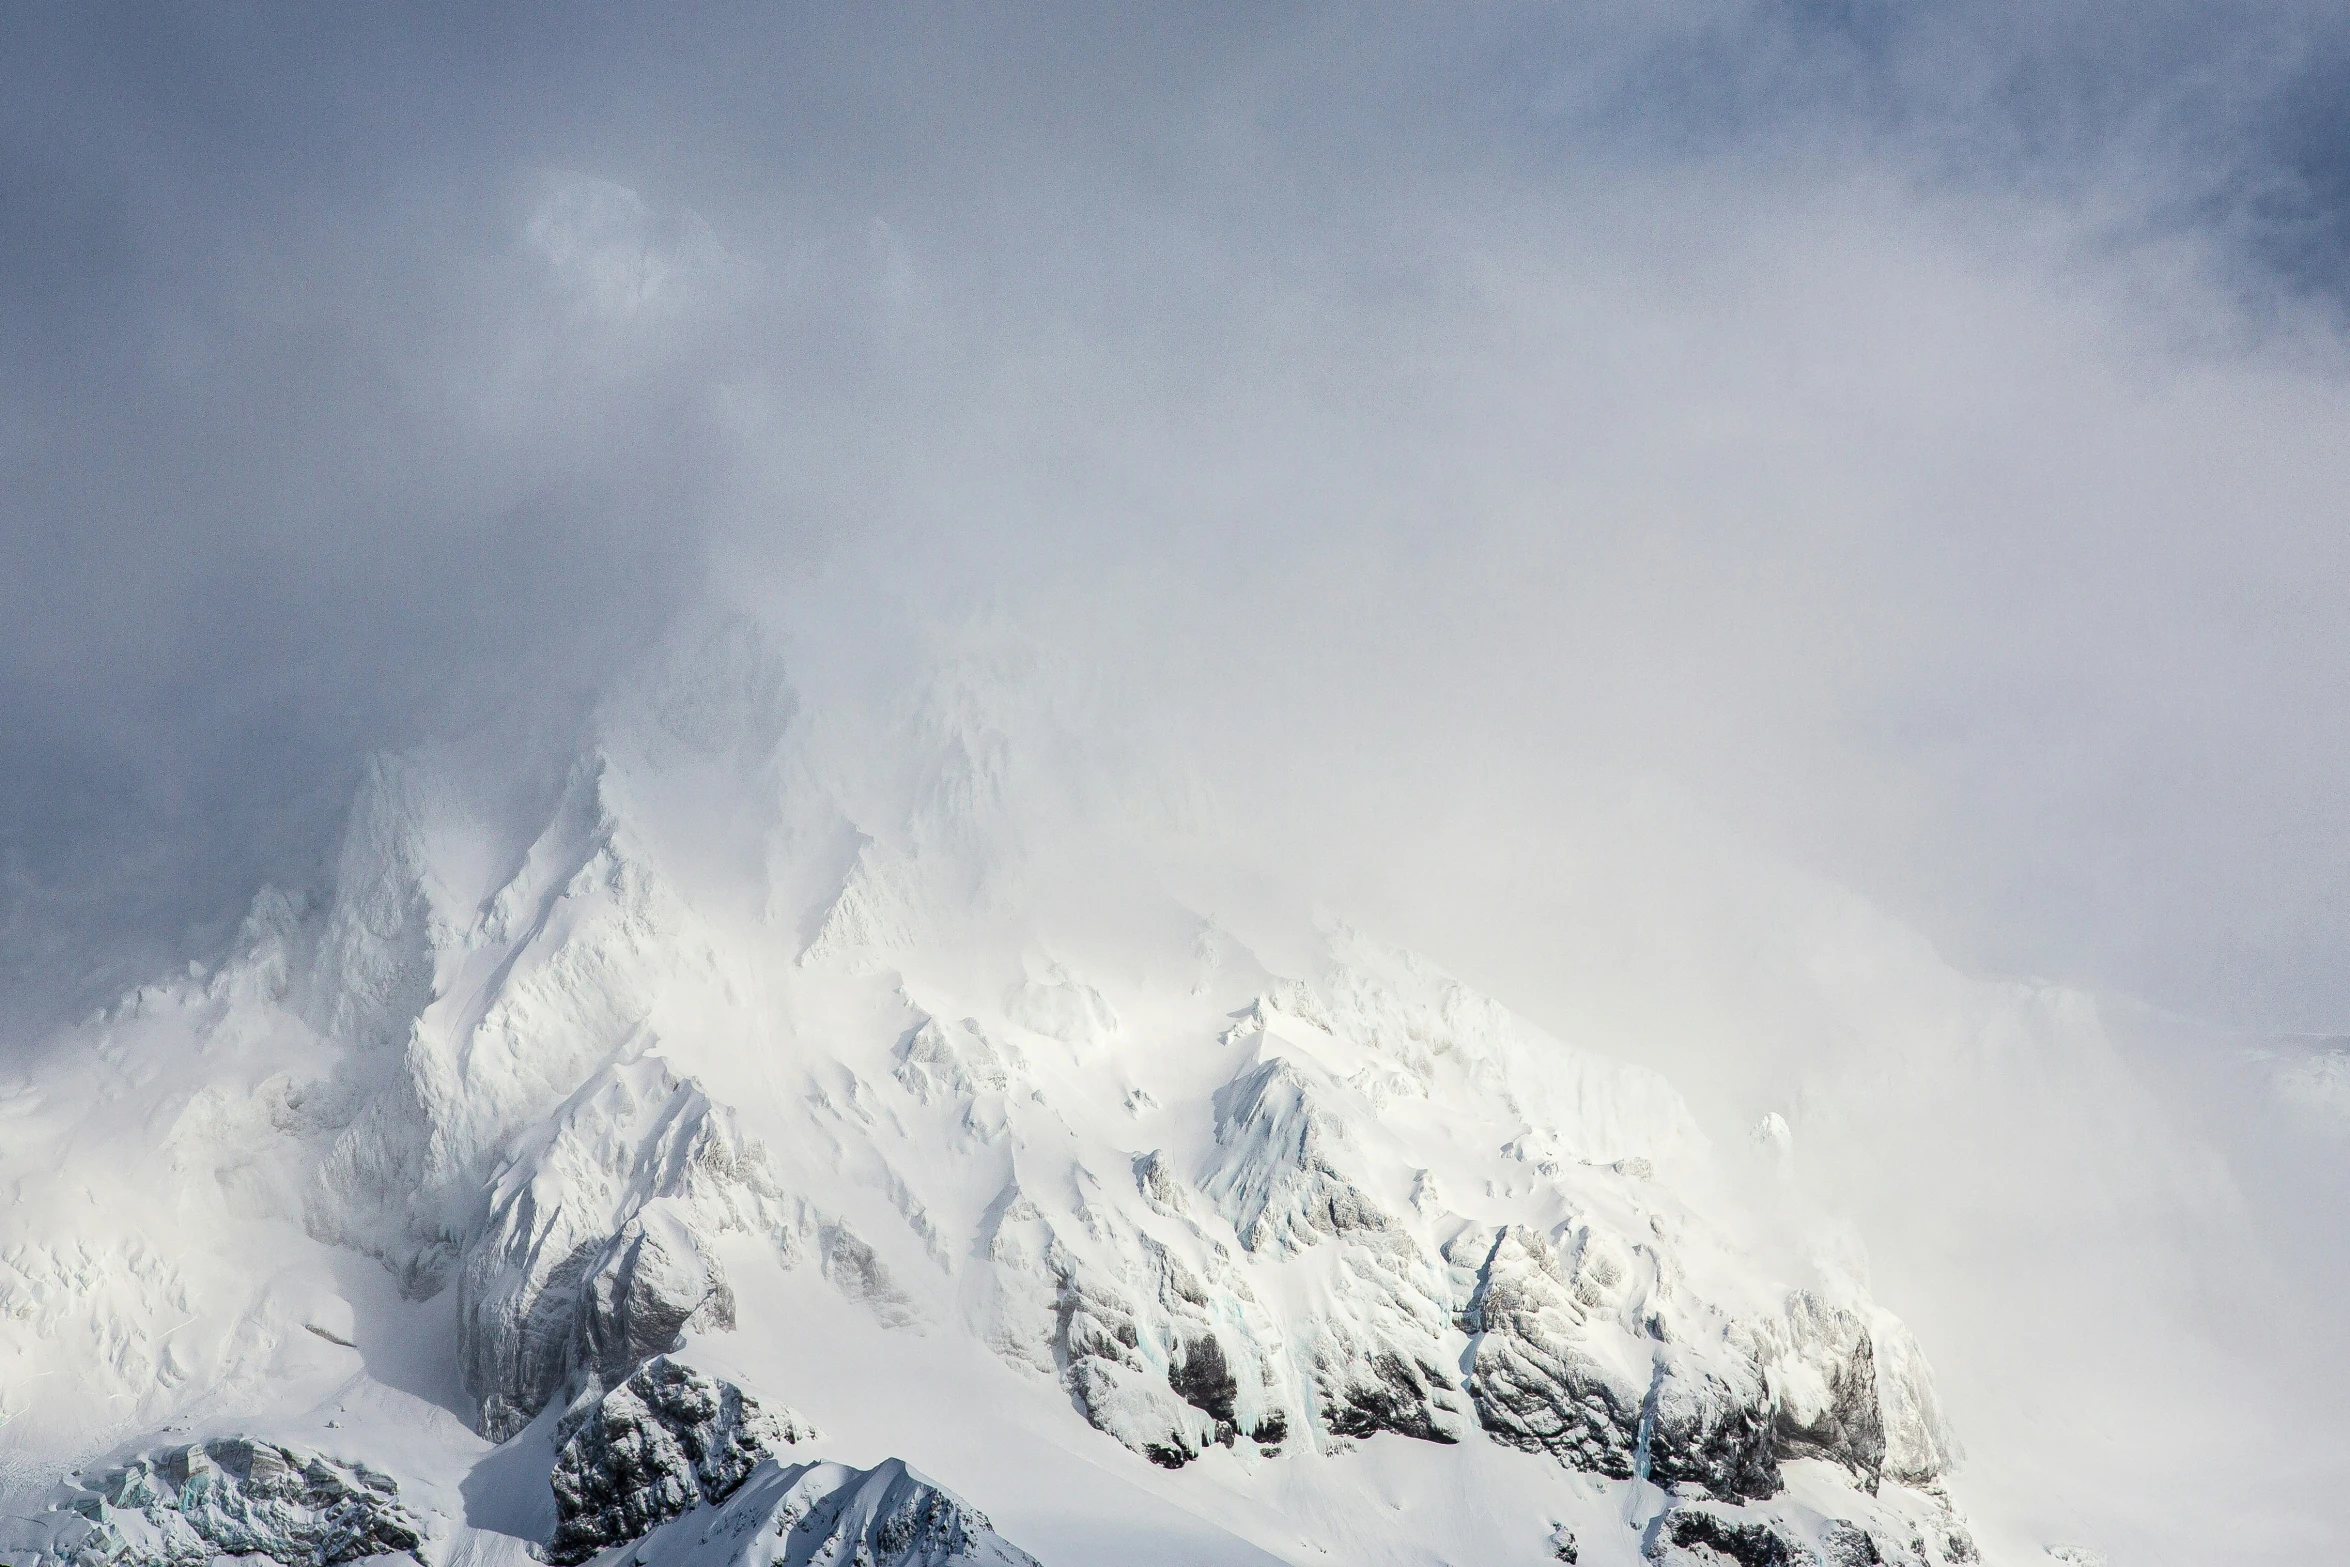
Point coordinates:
[(1906, 433), (617, 259)]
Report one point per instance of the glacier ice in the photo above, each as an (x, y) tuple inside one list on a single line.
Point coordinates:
[(229, 1497)]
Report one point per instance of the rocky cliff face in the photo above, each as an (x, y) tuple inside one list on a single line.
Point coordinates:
[(595, 1251), (1570, 1357), (662, 1443)]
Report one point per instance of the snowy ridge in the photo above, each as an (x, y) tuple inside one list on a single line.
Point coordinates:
[(741, 1039), (814, 1515), (592, 1256)]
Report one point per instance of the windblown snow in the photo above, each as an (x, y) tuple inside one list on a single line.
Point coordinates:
[(776, 1112)]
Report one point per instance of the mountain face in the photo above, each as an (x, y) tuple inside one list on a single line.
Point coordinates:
[(554, 1162)]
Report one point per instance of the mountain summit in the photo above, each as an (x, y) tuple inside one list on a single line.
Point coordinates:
[(653, 1171)]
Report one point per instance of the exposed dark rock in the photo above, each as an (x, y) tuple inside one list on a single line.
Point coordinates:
[(667, 1440), (1849, 1545), (1536, 1388), (1705, 1431), (1141, 1363), (1548, 1397), (1203, 1379), (1398, 1396), (1532, 1389), (1700, 1536)]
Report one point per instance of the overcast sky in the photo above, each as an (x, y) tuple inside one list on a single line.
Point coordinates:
[(1919, 434)]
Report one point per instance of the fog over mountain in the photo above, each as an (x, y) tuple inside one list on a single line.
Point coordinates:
[(1914, 432), (1792, 549)]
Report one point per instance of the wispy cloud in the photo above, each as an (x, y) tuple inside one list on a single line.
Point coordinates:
[(1908, 431)]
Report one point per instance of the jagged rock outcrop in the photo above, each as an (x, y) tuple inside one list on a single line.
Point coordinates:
[(1534, 1379), (1709, 1424), (1386, 1390), (1377, 1353), (232, 1496), (594, 1253), (664, 1442), (1702, 1537), (1167, 1358), (1825, 1387), (1276, 1178), (1582, 1340), (1582, 1350), (1702, 1534), (1846, 1544), (829, 1515)]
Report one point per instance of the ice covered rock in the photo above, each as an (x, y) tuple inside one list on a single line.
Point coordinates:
[(1583, 1350), (1537, 1378), (534, 976), (1920, 1445), (1275, 1176), (1152, 1350), (1824, 1380), (664, 1442), (1709, 1535), (594, 1253), (1844, 1543), (232, 1496), (371, 972), (1377, 1351), (874, 914), (1417, 1031), (1379, 1205), (829, 1515)]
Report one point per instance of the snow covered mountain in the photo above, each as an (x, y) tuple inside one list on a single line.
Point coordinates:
[(651, 1173)]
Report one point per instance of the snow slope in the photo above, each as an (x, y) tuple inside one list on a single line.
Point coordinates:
[(890, 1072)]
